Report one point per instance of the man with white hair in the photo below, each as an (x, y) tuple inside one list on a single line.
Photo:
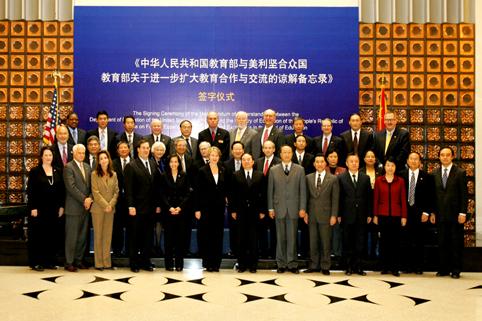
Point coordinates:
[(191, 143), (241, 133), (215, 135), (268, 132), (156, 134)]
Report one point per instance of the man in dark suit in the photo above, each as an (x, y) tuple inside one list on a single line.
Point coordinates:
[(156, 135), (204, 160), (355, 140), (242, 133), (267, 228), (76, 134), (93, 148), (419, 187), (392, 142), (286, 203), (142, 181), (119, 247), (301, 156), (268, 132), (78, 199), (356, 203), (132, 138), (62, 149), (328, 142), (323, 199), (451, 198), (107, 137), (247, 207), (186, 130), (298, 127), (215, 135)]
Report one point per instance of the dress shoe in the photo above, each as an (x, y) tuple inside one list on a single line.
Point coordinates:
[(82, 266), (294, 270), (325, 272), (37, 268), (252, 270), (281, 270), (440, 273), (383, 272), (349, 272), (51, 267), (179, 269), (361, 272), (396, 273), (148, 268), (71, 268), (455, 275), (170, 269), (241, 270), (99, 268), (418, 272), (311, 270), (209, 269), (215, 269), (135, 269), (110, 268)]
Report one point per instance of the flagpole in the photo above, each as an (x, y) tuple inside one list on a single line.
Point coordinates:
[(57, 75)]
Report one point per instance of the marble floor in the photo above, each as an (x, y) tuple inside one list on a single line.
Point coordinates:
[(57, 295)]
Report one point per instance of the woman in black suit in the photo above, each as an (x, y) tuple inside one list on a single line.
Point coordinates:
[(175, 197), (211, 194), (158, 150), (46, 197)]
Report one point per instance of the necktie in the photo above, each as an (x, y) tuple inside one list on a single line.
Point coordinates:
[(354, 179), (131, 146), (266, 167), (287, 171), (300, 160), (248, 178), (64, 155), (387, 141), (92, 160), (325, 145), (237, 165), (238, 135), (188, 144), (157, 138), (445, 177), (318, 182), (411, 191), (265, 135), (74, 134), (355, 144), (147, 167), (102, 140), (183, 164), (124, 163), (213, 135), (81, 166)]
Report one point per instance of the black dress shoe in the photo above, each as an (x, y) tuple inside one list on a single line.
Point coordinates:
[(455, 275), (396, 273), (418, 272), (361, 272), (99, 268), (311, 270), (135, 269), (37, 268), (252, 270), (294, 270), (51, 267), (325, 272), (348, 272), (209, 269), (241, 270), (281, 270), (71, 268), (383, 272), (441, 273), (148, 268), (170, 269), (178, 269), (82, 266), (215, 269)]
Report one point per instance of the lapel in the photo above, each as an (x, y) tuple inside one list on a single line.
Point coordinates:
[(313, 184), (451, 175), (392, 139), (77, 169), (144, 169)]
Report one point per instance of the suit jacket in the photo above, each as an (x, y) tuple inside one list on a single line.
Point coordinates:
[(77, 188), (135, 142), (451, 200), (105, 192), (166, 140), (209, 196), (117, 165), (248, 134), (306, 162), (287, 193), (193, 144), (175, 194), (356, 203), (290, 140), (142, 189), (390, 201), (81, 137), (365, 143), (39, 191), (259, 165), (221, 141), (322, 203), (424, 191), (57, 161), (111, 140), (335, 144), (248, 199), (276, 136), (399, 147)]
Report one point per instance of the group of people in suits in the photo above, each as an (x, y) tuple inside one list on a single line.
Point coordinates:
[(334, 190)]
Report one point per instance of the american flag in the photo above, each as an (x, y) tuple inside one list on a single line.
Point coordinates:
[(52, 121)]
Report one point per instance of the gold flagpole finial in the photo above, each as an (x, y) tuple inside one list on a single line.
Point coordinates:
[(57, 75)]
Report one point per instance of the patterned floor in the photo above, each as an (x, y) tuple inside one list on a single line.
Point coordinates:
[(228, 295)]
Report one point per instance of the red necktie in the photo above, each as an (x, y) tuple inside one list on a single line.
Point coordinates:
[(213, 135), (266, 167), (64, 155), (265, 136), (325, 145)]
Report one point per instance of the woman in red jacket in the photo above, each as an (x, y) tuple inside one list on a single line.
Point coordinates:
[(390, 213)]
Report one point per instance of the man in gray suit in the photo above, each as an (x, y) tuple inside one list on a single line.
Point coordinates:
[(78, 199), (191, 143), (286, 202), (268, 132), (323, 194), (242, 133)]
